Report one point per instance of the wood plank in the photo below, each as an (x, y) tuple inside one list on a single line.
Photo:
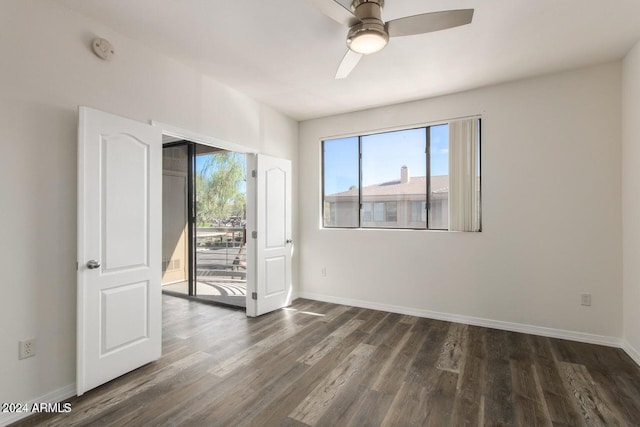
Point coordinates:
[(453, 348), (529, 403), (468, 404), (474, 353), (236, 392), (337, 311), (274, 371), (440, 400), (293, 395), (409, 320), (263, 346), (420, 369), (373, 321), (562, 409), (200, 393), (241, 403), (579, 383), (372, 409), (498, 391), (146, 407), (389, 379), (290, 422), (95, 405), (351, 400), (621, 391), (424, 404), (381, 332), (313, 406), (330, 342), (409, 406)]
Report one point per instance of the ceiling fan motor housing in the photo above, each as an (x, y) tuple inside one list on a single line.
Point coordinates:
[(369, 12), (373, 4)]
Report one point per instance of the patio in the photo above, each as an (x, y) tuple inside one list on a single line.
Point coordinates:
[(220, 267), (221, 290)]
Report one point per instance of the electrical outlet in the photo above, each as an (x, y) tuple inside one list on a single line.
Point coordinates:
[(585, 299), (27, 348), (323, 272)]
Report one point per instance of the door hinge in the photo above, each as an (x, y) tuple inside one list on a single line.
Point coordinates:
[(254, 234), (253, 174), (77, 266), (254, 295)]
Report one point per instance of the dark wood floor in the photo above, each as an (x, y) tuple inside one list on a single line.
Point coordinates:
[(325, 364)]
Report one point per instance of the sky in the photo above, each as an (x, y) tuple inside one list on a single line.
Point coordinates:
[(383, 155), (200, 162)]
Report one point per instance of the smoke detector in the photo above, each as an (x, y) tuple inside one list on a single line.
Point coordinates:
[(102, 48)]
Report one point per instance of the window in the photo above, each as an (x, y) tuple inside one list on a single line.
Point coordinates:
[(391, 211), (439, 177), (376, 213), (401, 179), (367, 212), (341, 182), (418, 212)]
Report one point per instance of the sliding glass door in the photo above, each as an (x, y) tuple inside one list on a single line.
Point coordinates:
[(209, 216), (176, 213)]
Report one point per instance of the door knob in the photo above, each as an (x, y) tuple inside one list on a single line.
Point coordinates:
[(93, 264), (289, 241)]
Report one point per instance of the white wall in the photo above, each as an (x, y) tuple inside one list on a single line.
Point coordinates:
[(631, 199), (47, 70), (551, 191)]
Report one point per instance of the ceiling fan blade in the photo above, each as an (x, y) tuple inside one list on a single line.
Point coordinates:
[(348, 63), (429, 22), (335, 11)]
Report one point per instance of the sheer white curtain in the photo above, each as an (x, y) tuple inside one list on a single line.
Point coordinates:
[(464, 180)]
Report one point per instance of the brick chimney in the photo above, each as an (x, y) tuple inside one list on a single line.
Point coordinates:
[(404, 175)]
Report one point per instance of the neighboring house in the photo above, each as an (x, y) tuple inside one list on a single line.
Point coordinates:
[(394, 204)]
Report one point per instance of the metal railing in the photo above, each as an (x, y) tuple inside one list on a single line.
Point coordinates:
[(221, 251)]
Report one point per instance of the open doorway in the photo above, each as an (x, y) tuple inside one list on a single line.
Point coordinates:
[(204, 223)]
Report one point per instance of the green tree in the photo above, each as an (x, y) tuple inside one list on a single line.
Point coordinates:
[(218, 187)]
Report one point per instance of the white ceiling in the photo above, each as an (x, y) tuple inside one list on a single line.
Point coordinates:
[(284, 53)]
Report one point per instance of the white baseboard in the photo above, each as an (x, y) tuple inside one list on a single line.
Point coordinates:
[(476, 321), (632, 352), (52, 397)]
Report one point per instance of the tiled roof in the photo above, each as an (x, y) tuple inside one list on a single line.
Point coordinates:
[(416, 185)]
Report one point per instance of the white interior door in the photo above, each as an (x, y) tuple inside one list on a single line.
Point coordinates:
[(119, 246), (270, 247)]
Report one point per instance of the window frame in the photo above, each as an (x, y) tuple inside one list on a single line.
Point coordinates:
[(427, 202)]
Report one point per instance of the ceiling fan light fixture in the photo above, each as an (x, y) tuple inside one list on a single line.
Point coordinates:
[(367, 39), (368, 33)]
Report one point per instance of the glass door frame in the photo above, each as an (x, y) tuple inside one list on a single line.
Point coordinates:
[(191, 212)]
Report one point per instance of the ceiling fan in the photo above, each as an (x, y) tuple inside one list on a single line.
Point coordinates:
[(368, 33)]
